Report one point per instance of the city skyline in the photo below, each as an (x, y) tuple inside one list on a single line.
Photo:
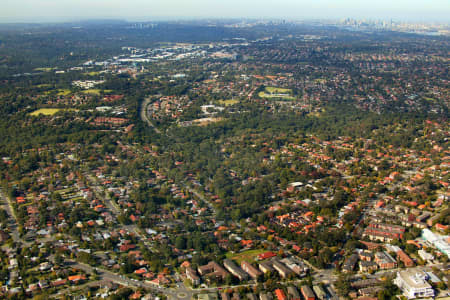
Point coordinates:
[(140, 10)]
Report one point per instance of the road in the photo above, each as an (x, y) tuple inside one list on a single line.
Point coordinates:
[(180, 293), (200, 196), (13, 224), (144, 117), (70, 290), (115, 209)]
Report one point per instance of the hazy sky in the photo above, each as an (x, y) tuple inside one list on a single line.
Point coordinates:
[(61, 10)]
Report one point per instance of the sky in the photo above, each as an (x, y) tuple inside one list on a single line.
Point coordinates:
[(148, 10)]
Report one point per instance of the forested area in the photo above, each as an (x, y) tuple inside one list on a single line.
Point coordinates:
[(142, 148)]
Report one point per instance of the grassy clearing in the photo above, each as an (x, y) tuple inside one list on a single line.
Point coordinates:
[(80, 198), (228, 102), (276, 93), (59, 92), (275, 90), (315, 114), (275, 96), (320, 80), (249, 255), (206, 121), (49, 111), (64, 92), (92, 92), (45, 111), (44, 69), (93, 73), (96, 92), (41, 86)]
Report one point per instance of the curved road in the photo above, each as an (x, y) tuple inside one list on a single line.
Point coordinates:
[(144, 117)]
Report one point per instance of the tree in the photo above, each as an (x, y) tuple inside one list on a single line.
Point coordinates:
[(59, 260), (85, 257), (343, 284), (180, 242), (390, 290)]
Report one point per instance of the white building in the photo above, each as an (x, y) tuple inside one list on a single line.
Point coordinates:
[(439, 241), (87, 84), (425, 255), (413, 284)]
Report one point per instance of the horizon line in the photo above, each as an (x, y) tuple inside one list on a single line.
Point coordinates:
[(64, 20)]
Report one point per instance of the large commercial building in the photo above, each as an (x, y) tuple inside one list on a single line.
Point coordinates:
[(413, 284), (385, 260), (425, 255), (350, 263), (293, 293), (281, 268), (307, 293), (212, 270), (265, 296), (234, 269), (266, 267), (192, 276), (280, 294), (439, 241), (321, 294), (251, 270), (384, 232), (295, 265), (407, 261)]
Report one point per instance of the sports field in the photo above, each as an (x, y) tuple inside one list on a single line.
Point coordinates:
[(45, 111), (228, 102), (49, 111), (96, 91), (276, 93)]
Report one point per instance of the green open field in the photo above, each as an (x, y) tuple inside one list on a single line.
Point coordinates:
[(59, 92), (44, 69), (275, 96), (315, 114), (96, 91), (64, 92), (228, 102), (45, 111), (75, 199), (48, 111), (277, 93), (206, 121), (249, 255), (320, 80), (275, 90), (45, 85), (93, 73)]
